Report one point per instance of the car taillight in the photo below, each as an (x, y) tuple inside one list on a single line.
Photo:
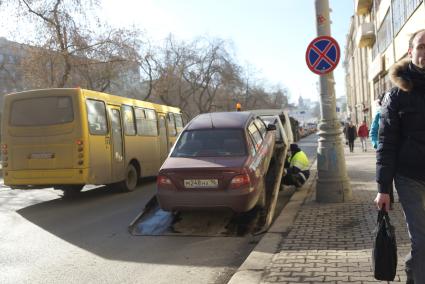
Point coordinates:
[(163, 180), (240, 180)]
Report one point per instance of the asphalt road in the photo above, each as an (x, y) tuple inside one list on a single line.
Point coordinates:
[(46, 239)]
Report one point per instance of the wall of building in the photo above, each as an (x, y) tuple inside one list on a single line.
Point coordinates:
[(367, 67)]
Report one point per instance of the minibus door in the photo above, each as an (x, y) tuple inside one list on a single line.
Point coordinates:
[(117, 151), (163, 138)]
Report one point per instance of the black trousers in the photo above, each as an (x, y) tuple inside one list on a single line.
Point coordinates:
[(293, 177), (351, 145)]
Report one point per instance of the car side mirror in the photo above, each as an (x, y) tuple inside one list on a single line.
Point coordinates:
[(271, 127)]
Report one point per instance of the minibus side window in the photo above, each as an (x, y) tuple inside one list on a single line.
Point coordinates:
[(96, 117), (179, 122), (128, 117), (151, 122), (171, 125)]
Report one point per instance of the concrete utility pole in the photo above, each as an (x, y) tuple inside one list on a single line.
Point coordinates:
[(332, 183)]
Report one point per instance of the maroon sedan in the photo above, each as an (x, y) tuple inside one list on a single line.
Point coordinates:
[(220, 160)]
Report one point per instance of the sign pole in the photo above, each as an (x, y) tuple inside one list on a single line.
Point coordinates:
[(332, 183)]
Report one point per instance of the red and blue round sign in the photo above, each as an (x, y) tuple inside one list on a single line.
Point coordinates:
[(322, 55)]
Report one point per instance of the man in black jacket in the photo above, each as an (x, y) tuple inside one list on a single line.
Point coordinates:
[(401, 150)]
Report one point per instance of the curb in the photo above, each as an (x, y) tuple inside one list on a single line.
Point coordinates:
[(252, 269)]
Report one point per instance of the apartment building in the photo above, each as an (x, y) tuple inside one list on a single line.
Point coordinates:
[(10, 77), (377, 38)]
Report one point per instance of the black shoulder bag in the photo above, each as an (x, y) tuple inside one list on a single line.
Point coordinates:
[(384, 253)]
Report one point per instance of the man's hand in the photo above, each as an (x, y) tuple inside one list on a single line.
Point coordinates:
[(383, 199)]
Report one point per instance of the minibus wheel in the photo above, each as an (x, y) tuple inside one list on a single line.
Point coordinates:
[(70, 191), (131, 178)]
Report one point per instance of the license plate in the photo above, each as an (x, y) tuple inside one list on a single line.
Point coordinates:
[(41, 155), (201, 183)]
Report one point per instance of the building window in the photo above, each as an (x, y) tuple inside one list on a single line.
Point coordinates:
[(399, 14), (376, 89), (376, 4), (387, 83), (411, 6), (402, 10), (375, 50), (385, 34), (382, 85)]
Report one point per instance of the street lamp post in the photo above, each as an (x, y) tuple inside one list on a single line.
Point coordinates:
[(332, 182)]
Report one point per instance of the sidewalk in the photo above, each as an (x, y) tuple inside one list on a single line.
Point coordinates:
[(325, 243)]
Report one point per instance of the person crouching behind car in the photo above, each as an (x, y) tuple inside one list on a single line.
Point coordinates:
[(297, 167)]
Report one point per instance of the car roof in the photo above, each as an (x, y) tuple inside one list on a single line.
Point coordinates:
[(220, 120), (269, 111)]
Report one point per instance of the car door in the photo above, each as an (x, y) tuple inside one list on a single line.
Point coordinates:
[(266, 144), (257, 164), (99, 142)]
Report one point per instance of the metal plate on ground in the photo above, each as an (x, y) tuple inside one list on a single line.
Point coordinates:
[(156, 222)]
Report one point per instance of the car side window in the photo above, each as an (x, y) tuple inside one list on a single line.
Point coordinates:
[(251, 145), (260, 125), (256, 136)]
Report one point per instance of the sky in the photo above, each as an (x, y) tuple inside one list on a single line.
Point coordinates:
[(269, 36)]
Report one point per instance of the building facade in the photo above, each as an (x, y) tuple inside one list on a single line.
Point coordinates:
[(10, 55), (378, 38)]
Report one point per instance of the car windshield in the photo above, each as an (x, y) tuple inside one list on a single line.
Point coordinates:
[(210, 143)]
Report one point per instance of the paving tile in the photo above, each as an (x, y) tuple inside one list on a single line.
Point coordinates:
[(332, 242)]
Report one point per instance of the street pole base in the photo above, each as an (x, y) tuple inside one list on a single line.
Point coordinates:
[(333, 190)]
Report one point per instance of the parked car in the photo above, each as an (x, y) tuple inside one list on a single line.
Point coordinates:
[(220, 160)]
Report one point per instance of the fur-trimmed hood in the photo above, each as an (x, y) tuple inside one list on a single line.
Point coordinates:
[(398, 76)]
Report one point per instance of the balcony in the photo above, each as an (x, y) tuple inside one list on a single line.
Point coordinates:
[(365, 36), (362, 6)]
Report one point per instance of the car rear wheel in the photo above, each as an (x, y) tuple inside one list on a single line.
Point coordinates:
[(130, 181)]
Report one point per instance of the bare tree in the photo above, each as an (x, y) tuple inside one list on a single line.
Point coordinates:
[(67, 53), (170, 63), (205, 74)]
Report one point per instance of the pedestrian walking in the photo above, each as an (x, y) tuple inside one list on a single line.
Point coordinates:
[(363, 134), (351, 135), (401, 150), (374, 126), (344, 130)]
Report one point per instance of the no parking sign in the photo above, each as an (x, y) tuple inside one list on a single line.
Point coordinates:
[(322, 55)]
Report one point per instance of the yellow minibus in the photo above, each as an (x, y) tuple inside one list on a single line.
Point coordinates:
[(66, 138)]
